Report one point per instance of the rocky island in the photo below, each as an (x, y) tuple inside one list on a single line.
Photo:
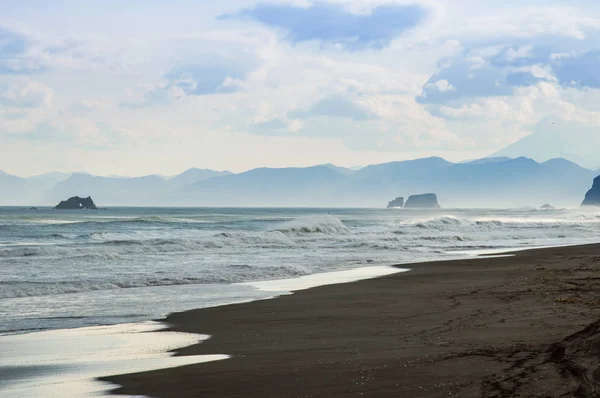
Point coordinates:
[(592, 198), (398, 202), (424, 201), (77, 203)]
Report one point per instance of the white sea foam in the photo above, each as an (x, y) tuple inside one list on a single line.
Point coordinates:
[(326, 278), (320, 224), (232, 274), (66, 363), (445, 223)]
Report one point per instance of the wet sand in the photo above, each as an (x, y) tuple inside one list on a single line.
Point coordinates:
[(520, 326)]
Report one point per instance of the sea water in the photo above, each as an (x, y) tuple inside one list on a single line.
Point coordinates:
[(66, 269)]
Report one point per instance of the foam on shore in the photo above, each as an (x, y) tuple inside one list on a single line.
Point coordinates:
[(66, 363), (322, 279)]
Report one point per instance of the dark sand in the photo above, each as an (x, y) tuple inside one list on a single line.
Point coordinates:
[(522, 326)]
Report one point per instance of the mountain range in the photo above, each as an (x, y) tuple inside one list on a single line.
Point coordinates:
[(553, 138), (488, 182)]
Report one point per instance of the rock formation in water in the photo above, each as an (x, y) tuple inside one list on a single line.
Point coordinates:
[(398, 202), (592, 198), (77, 203), (547, 207), (425, 201)]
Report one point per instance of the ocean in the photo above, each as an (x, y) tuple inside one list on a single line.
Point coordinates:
[(68, 269)]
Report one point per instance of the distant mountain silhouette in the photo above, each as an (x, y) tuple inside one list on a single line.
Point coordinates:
[(400, 171), (343, 170), (193, 175), (375, 184), (489, 182), (127, 191), (497, 183), (489, 160), (556, 139), (512, 183), (24, 191), (13, 189), (140, 191), (293, 186)]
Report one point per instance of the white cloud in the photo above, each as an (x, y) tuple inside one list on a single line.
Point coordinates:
[(195, 86), (27, 93), (521, 52), (89, 105), (443, 86)]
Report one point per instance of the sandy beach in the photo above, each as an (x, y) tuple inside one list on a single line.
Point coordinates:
[(519, 326)]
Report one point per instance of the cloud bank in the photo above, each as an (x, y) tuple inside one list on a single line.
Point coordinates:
[(238, 84)]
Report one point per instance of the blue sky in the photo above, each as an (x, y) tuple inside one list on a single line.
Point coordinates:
[(160, 86)]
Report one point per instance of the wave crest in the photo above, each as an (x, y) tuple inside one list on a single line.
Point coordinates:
[(315, 225), (234, 273)]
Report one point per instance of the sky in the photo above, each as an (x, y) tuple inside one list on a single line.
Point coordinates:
[(148, 86)]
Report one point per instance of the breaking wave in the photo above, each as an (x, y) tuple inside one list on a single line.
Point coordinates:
[(468, 224), (314, 225), (232, 274), (304, 233)]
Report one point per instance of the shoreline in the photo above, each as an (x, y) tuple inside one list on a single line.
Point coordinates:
[(43, 363), (474, 327)]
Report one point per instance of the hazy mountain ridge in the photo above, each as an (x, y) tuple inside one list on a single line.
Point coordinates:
[(194, 175), (513, 183), (498, 183), (342, 170), (292, 186), (12, 188), (489, 182), (489, 160), (553, 139), (15, 190), (136, 191), (151, 190)]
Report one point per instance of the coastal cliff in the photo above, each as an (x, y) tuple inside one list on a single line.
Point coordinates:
[(424, 201), (77, 203), (592, 198)]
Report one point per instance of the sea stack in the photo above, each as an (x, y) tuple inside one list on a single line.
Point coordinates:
[(77, 203), (424, 201), (398, 202), (592, 198)]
